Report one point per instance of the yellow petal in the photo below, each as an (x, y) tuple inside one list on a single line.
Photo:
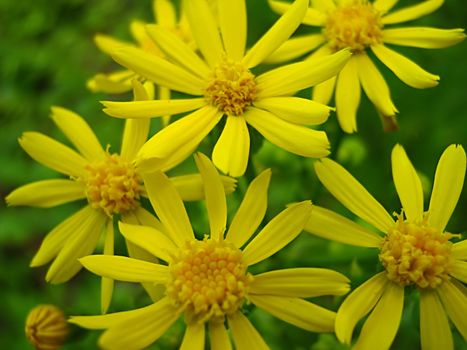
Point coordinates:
[(295, 47), (251, 211), (435, 332), (53, 154), (107, 284), (194, 337), (191, 187), (408, 184), (159, 70), (388, 311), (424, 37), (169, 207), (459, 250), (232, 19), (298, 312), (215, 196), (145, 218), (295, 109), (405, 69), (300, 283), (134, 136), (108, 44), (322, 93), (204, 29), (164, 13), (323, 5), (78, 132), (348, 96), (47, 193), (357, 305), (112, 83), (412, 12), (455, 304), (298, 76), (459, 270), (103, 321), (277, 34), (383, 6), (291, 137), (313, 17), (374, 85), (449, 179), (244, 334), (352, 194), (232, 150), (279, 232), (327, 224), (219, 337), (139, 33)]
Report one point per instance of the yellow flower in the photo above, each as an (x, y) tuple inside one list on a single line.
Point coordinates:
[(226, 85), (110, 183), (207, 280), (46, 327), (414, 251), (361, 26)]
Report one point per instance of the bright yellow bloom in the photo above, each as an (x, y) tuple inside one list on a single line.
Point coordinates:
[(225, 84), (414, 251), (362, 25), (207, 280), (110, 183)]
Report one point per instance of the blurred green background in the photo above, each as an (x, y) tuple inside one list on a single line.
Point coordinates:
[(47, 54)]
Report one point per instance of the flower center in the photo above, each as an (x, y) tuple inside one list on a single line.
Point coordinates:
[(208, 279), (415, 253), (232, 87), (356, 25), (113, 185)]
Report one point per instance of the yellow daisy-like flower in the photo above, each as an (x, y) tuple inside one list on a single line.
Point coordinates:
[(226, 85), (361, 26), (208, 280), (414, 251), (110, 183)]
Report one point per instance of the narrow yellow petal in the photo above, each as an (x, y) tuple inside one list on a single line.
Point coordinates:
[(327, 224), (352, 194), (232, 150), (112, 83), (107, 284), (383, 6), (358, 304), (277, 34), (145, 42), (204, 29), (218, 336), (191, 187), (408, 184), (294, 138), (449, 179), (53, 154), (388, 311), (459, 250), (78, 132), (295, 109), (295, 47), (459, 270), (233, 24), (108, 44), (299, 312), (215, 196), (134, 136), (145, 218), (405, 69), (323, 5), (313, 17), (455, 304), (194, 337), (279, 232), (103, 321), (424, 37), (300, 283), (164, 13), (244, 334), (348, 96), (322, 92), (374, 85), (169, 207), (435, 332), (46, 193), (412, 12)]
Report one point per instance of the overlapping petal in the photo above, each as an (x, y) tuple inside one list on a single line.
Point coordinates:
[(435, 332)]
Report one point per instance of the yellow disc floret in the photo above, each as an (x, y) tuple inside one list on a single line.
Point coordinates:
[(415, 253), (113, 185), (356, 25), (232, 87), (208, 279)]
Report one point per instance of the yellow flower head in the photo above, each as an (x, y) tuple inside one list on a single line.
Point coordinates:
[(224, 81), (362, 25), (207, 280), (414, 251)]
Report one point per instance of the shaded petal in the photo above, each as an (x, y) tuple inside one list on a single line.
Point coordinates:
[(459, 250), (294, 138), (108, 44), (134, 136), (348, 96), (146, 218), (279, 232), (322, 93), (455, 304), (215, 196), (352, 194), (358, 304), (459, 270), (405, 69), (191, 187), (164, 13), (384, 6), (423, 37), (244, 334), (295, 47), (251, 211), (194, 337), (449, 179), (219, 337), (435, 332), (232, 150), (233, 25), (408, 184), (107, 284), (300, 283), (412, 12), (323, 5), (277, 34), (47, 193), (296, 311), (113, 83), (313, 17), (327, 224)]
